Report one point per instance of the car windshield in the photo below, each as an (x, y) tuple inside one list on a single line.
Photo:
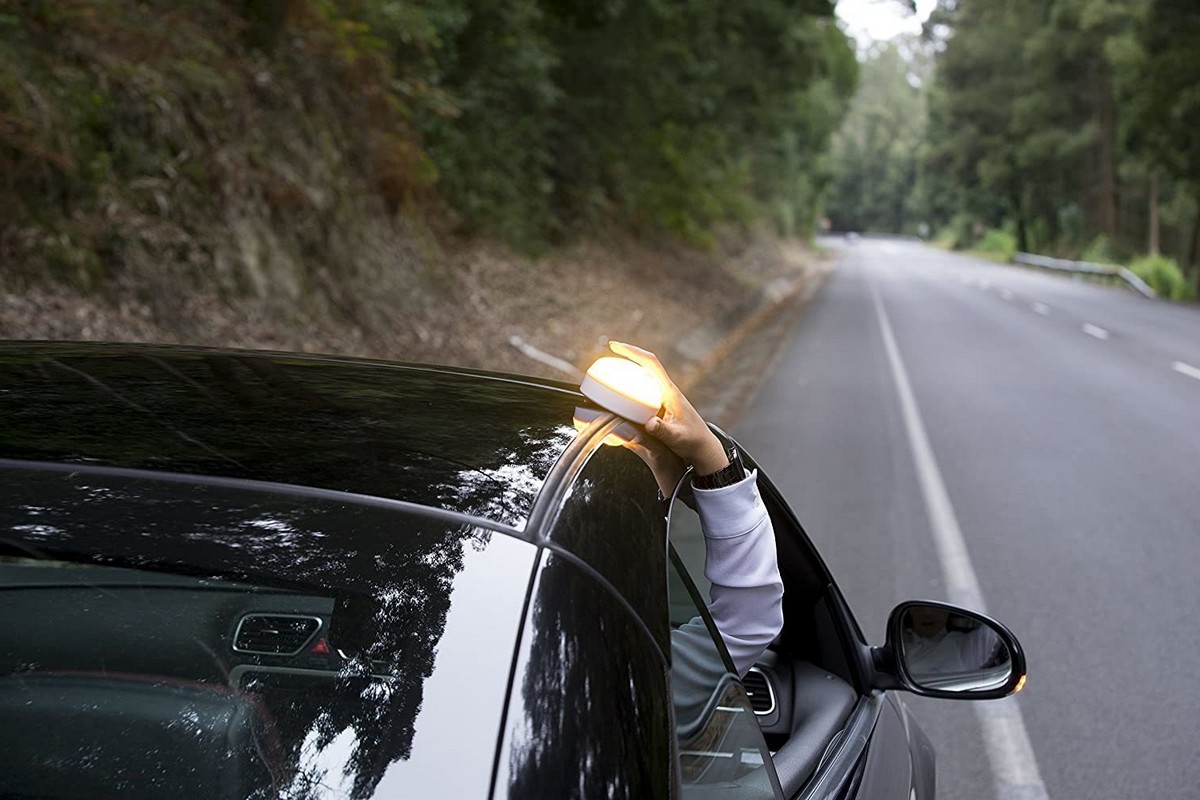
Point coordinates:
[(255, 643)]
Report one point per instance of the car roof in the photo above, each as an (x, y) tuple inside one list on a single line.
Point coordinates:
[(472, 442)]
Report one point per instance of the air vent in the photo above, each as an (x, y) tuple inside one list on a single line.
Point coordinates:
[(274, 634), (758, 688)]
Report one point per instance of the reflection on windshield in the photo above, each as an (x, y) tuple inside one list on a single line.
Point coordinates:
[(581, 653), (433, 438), (335, 714)]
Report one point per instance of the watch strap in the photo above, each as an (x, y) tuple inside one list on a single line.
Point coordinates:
[(728, 475)]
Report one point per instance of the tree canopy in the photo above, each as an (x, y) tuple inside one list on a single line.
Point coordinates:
[(1073, 125)]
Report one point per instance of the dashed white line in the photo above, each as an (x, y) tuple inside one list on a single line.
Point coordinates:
[(1041, 308), (1015, 772), (1186, 369), (1094, 330)]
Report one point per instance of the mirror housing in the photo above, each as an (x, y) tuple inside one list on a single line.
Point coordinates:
[(936, 649)]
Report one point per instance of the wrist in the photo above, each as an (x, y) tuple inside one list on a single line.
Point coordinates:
[(711, 457)]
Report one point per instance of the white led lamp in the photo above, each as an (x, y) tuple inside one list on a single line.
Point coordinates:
[(624, 388)]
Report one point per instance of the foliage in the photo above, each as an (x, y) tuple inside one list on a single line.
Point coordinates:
[(877, 150), (958, 233), (1001, 244), (226, 139), (1065, 121), (1164, 276), (1100, 251)]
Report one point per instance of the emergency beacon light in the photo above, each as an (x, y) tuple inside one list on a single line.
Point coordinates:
[(624, 388)]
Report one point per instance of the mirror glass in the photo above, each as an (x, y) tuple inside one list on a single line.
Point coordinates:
[(952, 652)]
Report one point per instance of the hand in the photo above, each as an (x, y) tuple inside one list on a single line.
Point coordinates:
[(681, 428), (667, 467)]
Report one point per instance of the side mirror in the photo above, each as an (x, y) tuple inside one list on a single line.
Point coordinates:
[(940, 650)]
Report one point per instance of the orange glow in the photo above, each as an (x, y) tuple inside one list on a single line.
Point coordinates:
[(619, 437), (1020, 685), (629, 379)]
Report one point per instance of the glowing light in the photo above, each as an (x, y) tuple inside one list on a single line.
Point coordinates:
[(1020, 685), (624, 388)]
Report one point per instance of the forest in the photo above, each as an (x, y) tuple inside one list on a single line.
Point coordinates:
[(1058, 127), (362, 166), (122, 123)]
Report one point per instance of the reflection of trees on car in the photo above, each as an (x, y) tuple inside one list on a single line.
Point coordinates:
[(388, 626), (586, 651), (347, 427), (586, 648)]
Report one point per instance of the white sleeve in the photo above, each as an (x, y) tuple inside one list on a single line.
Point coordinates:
[(746, 599)]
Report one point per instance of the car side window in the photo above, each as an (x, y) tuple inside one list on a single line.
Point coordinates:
[(721, 748)]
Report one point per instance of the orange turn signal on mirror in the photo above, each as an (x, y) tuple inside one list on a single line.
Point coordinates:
[(624, 388)]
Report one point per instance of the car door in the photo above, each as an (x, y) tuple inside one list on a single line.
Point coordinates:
[(828, 735), (589, 713)]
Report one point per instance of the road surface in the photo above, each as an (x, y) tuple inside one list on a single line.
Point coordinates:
[(1063, 419)]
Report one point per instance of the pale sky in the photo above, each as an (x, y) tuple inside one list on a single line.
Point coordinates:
[(871, 20)]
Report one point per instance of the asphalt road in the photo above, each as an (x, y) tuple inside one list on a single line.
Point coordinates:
[(1065, 419)]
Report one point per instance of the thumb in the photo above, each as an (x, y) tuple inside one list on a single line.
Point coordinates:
[(664, 431)]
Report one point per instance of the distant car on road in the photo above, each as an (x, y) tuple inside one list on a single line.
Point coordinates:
[(248, 575)]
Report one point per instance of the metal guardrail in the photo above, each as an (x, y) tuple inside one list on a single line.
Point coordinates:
[(1087, 268)]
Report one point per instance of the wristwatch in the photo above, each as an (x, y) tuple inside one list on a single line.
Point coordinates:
[(726, 476)]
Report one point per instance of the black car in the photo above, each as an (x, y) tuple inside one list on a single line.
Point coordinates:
[(237, 575)]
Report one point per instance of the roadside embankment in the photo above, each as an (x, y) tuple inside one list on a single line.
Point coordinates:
[(690, 307)]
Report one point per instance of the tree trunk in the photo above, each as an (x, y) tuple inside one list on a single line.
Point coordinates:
[(1152, 245), (1106, 116)]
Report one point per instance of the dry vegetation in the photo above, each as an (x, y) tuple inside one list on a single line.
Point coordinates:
[(566, 304)]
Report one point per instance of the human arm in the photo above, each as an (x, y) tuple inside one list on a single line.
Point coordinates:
[(746, 598)]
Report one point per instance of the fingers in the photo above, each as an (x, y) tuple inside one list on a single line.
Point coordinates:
[(643, 358), (668, 432)]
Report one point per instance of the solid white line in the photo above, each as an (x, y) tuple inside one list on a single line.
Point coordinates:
[(542, 357), (1186, 369), (1041, 308), (1093, 330), (1014, 765)]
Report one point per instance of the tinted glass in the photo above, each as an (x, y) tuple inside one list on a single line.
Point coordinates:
[(721, 749), (614, 522), (482, 446), (588, 715), (170, 640)]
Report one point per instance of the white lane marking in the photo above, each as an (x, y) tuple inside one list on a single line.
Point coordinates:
[(542, 357), (890, 249), (1014, 764), (1005, 294), (1186, 369), (1041, 308), (1093, 330)]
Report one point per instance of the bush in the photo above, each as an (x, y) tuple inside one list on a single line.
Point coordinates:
[(998, 242), (1164, 277), (1099, 251), (957, 234)]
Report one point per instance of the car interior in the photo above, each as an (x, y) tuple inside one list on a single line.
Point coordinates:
[(211, 683), (802, 689)]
